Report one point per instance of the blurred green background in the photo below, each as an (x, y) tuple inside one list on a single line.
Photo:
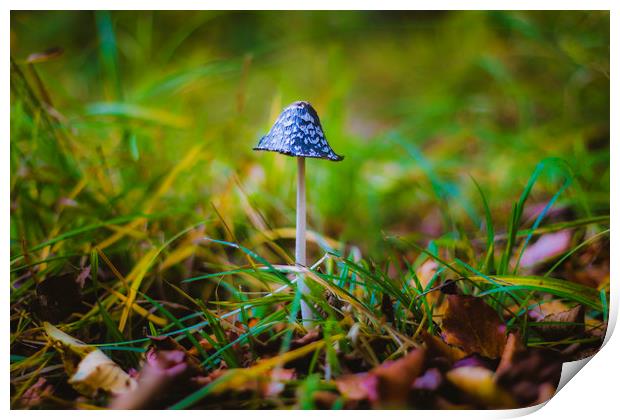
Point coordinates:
[(157, 112)]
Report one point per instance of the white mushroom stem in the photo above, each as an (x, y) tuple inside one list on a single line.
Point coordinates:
[(300, 240)]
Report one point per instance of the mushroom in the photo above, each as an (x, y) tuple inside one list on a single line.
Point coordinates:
[(298, 132)]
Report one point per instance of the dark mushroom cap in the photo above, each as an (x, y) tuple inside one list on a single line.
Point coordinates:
[(298, 132)]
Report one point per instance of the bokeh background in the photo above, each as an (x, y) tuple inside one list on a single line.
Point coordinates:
[(157, 113)]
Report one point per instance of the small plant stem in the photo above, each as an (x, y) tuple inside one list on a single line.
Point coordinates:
[(300, 239)]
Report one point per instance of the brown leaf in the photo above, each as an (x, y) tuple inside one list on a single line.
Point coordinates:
[(513, 347), (205, 344), (528, 371), (310, 337), (163, 372), (540, 311), (356, 387), (211, 376), (545, 393), (387, 385), (168, 343), (437, 347), (589, 266), (324, 400), (563, 325), (474, 326), (168, 372)]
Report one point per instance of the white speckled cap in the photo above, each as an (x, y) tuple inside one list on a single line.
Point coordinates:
[(298, 132)]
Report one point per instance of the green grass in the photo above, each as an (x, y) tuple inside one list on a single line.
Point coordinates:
[(132, 154)]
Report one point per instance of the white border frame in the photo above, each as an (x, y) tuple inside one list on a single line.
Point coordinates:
[(591, 395)]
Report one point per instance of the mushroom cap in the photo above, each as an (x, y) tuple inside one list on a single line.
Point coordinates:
[(298, 132)]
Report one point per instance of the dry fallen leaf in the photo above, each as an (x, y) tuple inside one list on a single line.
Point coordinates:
[(540, 311), (163, 370), (474, 326), (513, 347), (546, 247), (438, 348), (545, 393), (479, 384), (425, 274), (98, 372), (529, 373), (166, 343), (589, 266), (563, 325), (355, 387), (310, 337), (89, 368), (395, 378), (387, 385)]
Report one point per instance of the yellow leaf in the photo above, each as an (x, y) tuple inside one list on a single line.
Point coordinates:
[(479, 384)]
